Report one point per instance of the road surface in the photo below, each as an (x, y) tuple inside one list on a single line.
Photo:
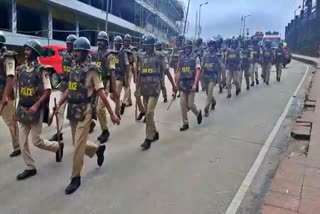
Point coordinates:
[(194, 172)]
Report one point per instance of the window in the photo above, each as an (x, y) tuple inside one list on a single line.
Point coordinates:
[(47, 52), (62, 52)]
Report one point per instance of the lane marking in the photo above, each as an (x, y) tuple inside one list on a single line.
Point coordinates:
[(238, 198)]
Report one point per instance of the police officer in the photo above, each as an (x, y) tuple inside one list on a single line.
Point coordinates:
[(84, 84), (122, 71), (198, 51), (279, 59), (151, 65), (211, 72), (66, 67), (232, 64), (104, 60), (255, 59), (267, 59), (222, 52), (188, 78), (159, 48), (173, 63), (245, 64), (132, 60), (7, 108), (34, 94)]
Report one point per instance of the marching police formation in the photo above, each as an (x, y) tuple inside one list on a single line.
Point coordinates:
[(89, 80)]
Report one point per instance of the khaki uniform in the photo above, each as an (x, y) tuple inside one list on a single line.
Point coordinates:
[(35, 128), (7, 69), (174, 59), (101, 109), (255, 58), (80, 127), (245, 67), (137, 93), (187, 75), (151, 67), (267, 58), (232, 64), (127, 90)]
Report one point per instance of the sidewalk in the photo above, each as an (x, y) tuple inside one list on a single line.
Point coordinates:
[(296, 185)]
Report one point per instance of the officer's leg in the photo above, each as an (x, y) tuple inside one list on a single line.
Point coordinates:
[(240, 76), (229, 79), (267, 72), (280, 71), (263, 73), (26, 154), (102, 117), (209, 99), (8, 115), (224, 76), (194, 108), (252, 74), (38, 141), (152, 103), (256, 69), (127, 91), (61, 121), (139, 104), (176, 76), (236, 81), (164, 91), (184, 110), (247, 76)]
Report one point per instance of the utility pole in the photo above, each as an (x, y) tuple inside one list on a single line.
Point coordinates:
[(199, 33), (185, 23), (107, 13), (196, 25)]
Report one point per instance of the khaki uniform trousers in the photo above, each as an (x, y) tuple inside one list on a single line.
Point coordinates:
[(163, 88), (279, 69), (254, 71), (266, 67), (127, 90), (8, 115), (61, 114), (210, 99), (246, 73), (187, 101), (101, 108), (150, 104), (81, 146), (37, 140), (137, 94), (232, 75), (222, 78), (119, 86)]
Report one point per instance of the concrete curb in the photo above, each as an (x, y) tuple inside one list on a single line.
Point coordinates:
[(307, 60)]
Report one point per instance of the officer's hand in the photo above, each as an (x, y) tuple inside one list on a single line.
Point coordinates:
[(194, 88), (56, 109), (174, 89), (4, 100), (115, 119), (33, 109)]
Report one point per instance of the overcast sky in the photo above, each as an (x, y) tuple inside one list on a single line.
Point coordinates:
[(224, 16)]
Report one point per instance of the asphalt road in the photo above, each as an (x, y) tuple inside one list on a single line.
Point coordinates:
[(194, 172)]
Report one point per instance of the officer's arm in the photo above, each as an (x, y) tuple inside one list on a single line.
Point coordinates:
[(64, 97), (127, 67), (9, 68), (198, 72), (112, 67), (167, 71)]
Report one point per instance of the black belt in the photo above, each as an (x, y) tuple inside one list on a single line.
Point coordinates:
[(80, 101)]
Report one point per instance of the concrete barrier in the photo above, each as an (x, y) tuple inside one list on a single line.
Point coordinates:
[(306, 59)]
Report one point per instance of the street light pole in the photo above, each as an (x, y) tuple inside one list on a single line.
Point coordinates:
[(185, 24), (199, 33), (244, 24), (107, 13)]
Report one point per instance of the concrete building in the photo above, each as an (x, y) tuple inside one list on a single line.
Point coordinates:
[(51, 21)]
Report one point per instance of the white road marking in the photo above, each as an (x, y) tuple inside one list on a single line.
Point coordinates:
[(237, 200)]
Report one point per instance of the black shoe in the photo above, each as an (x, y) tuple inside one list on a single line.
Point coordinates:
[(206, 113), (104, 137), (252, 84), (140, 116), (278, 79), (238, 91), (55, 137), (73, 186), (156, 137), (128, 104), (220, 91), (267, 83), (199, 117), (59, 153), (248, 87), (100, 154), (178, 94), (257, 82), (92, 125), (184, 127), (213, 105), (123, 107), (229, 96), (15, 153), (165, 100), (146, 144), (26, 174), (144, 120)]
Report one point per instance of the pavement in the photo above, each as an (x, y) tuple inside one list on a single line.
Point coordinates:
[(295, 187), (201, 171)]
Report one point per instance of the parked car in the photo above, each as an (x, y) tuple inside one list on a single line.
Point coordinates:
[(52, 55)]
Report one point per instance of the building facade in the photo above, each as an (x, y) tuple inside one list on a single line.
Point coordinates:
[(51, 21)]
